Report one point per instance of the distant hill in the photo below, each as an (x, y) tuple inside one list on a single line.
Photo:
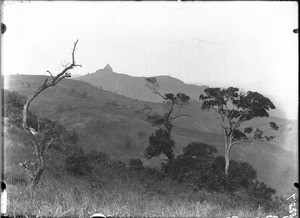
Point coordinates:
[(117, 125), (134, 87)]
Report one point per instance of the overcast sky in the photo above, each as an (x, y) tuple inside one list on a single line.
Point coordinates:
[(246, 44)]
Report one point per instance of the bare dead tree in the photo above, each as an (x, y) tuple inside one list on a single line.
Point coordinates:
[(42, 138)]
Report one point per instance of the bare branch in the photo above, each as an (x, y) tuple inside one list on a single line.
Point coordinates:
[(153, 85), (50, 73), (41, 145), (65, 64), (73, 59), (218, 119), (55, 122), (46, 146)]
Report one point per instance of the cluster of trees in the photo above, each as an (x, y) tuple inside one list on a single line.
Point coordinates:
[(198, 165), (231, 108)]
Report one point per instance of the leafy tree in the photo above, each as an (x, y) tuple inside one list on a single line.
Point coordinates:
[(233, 108), (160, 141), (44, 134)]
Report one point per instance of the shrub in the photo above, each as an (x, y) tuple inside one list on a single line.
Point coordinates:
[(241, 182), (136, 164), (240, 176), (199, 150), (98, 157), (195, 160), (118, 164), (13, 101), (77, 164), (260, 194)]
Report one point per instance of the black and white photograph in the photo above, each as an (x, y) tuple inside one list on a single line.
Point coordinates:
[(149, 109)]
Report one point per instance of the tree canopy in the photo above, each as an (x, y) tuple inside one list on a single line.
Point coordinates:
[(232, 108)]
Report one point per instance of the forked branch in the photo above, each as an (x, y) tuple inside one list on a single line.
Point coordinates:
[(42, 144), (63, 74)]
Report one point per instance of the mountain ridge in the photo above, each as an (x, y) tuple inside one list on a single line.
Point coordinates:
[(134, 87)]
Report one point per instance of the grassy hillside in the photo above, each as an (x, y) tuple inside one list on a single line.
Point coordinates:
[(117, 125), (116, 191)]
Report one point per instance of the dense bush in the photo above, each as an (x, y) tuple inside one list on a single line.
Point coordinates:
[(241, 180), (240, 175), (198, 167), (13, 101), (260, 194), (200, 150), (12, 107), (195, 160), (136, 164), (118, 164), (77, 164)]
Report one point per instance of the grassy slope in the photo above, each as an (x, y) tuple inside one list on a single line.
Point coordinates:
[(121, 130), (122, 192)]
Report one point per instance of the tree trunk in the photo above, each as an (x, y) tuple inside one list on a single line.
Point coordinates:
[(37, 176), (227, 150), (226, 160)]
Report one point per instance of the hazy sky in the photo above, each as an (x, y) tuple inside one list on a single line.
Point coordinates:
[(246, 44)]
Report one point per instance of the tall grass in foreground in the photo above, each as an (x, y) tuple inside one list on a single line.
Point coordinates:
[(123, 196), (117, 191)]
